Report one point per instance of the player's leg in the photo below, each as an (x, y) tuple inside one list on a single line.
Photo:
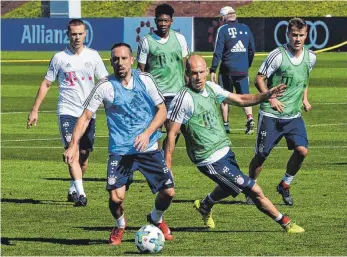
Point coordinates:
[(267, 207), (66, 126), (119, 177), (242, 87), (160, 180), (224, 80), (296, 137)]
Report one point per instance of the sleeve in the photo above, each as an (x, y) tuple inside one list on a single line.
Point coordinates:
[(100, 68), (313, 59), (181, 108), (251, 48), (271, 63), (184, 45), (218, 50), (143, 51), (102, 93), (220, 92), (53, 69), (152, 89)]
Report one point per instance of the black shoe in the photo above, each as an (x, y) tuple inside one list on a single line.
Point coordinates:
[(287, 198), (227, 127), (72, 197), (249, 200), (82, 201)]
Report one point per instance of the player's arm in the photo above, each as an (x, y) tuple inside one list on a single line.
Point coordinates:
[(217, 54), (269, 67), (305, 102), (142, 54), (251, 49), (71, 154), (173, 130), (254, 99), (40, 96)]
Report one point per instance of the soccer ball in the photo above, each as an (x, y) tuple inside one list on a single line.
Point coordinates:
[(149, 239)]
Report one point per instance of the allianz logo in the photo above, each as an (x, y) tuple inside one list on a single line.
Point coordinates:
[(39, 34)]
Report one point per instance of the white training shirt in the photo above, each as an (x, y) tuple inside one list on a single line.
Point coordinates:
[(182, 108), (75, 75), (274, 60), (143, 48), (104, 93)]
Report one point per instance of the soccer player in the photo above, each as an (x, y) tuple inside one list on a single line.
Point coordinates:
[(235, 47), (134, 112), (281, 117), (195, 112), (75, 68), (162, 53)]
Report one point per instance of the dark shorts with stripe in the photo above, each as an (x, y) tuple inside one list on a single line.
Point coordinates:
[(227, 174), (67, 124), (239, 83), (271, 130), (120, 170)]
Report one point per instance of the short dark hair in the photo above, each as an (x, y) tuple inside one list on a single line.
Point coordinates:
[(75, 22), (122, 44), (296, 22), (164, 9)]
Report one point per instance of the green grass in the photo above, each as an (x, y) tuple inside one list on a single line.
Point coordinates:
[(37, 220), (257, 8)]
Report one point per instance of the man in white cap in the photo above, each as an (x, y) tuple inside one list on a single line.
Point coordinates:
[(235, 47)]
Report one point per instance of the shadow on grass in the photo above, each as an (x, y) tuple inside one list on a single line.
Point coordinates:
[(11, 241), (185, 229), (93, 180), (221, 202), (32, 201)]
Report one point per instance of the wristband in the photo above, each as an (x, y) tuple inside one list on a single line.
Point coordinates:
[(268, 94)]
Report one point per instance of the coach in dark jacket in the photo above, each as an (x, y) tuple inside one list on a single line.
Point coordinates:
[(234, 46)]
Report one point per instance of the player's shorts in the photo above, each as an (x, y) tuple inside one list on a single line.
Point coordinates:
[(239, 83), (120, 169), (271, 130), (227, 174), (66, 126)]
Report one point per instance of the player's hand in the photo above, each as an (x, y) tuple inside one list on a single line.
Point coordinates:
[(213, 77), (141, 142), (277, 91), (276, 105), (70, 154), (307, 105), (32, 119)]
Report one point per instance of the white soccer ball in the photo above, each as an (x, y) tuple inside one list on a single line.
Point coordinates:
[(149, 239)]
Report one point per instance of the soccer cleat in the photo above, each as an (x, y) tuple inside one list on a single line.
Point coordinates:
[(227, 127), (206, 216), (284, 191), (163, 227), (82, 201), (292, 228), (116, 236), (250, 124), (72, 197), (249, 200)]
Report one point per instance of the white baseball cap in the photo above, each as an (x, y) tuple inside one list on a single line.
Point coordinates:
[(225, 10)]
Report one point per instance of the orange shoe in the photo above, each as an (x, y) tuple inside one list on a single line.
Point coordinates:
[(116, 236), (163, 227)]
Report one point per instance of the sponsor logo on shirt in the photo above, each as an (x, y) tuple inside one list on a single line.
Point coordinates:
[(238, 47)]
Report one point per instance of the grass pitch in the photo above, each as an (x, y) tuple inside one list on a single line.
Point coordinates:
[(37, 220)]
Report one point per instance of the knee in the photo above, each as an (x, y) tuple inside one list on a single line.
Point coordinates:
[(168, 193), (116, 198), (256, 191), (302, 151), (259, 159)]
